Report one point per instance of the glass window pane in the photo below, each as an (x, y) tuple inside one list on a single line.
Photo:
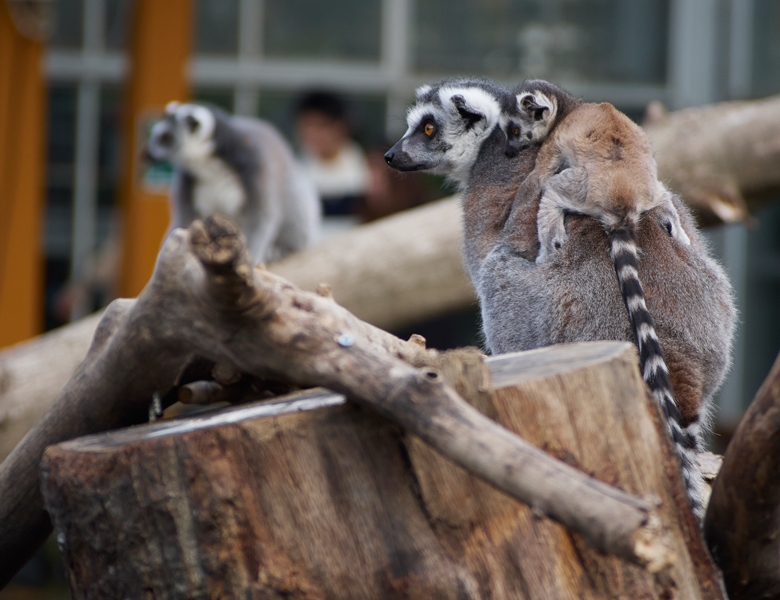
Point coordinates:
[(111, 98), (59, 169), (335, 29), (766, 47), (620, 41), (217, 96), (118, 22), (216, 26), (67, 24)]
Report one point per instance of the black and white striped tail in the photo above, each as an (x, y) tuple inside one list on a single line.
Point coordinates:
[(623, 250)]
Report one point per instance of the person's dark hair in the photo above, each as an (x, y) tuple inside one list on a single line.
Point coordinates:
[(324, 102)]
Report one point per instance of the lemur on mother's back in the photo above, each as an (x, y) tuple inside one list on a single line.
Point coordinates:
[(597, 162), (571, 296)]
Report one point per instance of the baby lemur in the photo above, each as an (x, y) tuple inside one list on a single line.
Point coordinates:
[(597, 162), (572, 296)]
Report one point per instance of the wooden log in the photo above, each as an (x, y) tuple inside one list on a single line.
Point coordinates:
[(741, 525), (205, 300), (722, 159), (312, 497), (34, 372)]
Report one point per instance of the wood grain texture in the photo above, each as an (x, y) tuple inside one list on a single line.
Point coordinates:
[(313, 497)]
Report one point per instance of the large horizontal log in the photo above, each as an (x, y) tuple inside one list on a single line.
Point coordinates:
[(33, 373), (723, 159), (311, 497)]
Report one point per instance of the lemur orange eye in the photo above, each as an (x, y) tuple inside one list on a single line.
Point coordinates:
[(515, 131), (429, 129)]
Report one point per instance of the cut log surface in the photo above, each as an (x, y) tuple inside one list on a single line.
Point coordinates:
[(315, 497)]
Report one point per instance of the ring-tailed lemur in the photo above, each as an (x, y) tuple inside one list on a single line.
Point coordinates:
[(597, 162), (240, 168), (569, 298)]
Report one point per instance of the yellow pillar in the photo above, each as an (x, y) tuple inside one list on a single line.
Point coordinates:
[(160, 48), (22, 182)]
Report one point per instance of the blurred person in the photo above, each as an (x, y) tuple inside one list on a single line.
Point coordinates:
[(333, 160)]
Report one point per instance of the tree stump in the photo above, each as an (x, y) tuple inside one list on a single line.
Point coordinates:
[(313, 497)]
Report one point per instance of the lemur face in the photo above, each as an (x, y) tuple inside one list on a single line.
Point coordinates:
[(446, 127), (534, 117), (184, 135)]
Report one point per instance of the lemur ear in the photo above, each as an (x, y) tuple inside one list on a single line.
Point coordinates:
[(468, 113), (421, 91), (536, 107)]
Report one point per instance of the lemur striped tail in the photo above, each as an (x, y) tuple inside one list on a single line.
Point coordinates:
[(623, 250)]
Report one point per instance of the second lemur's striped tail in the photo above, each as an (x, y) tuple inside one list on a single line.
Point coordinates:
[(623, 250)]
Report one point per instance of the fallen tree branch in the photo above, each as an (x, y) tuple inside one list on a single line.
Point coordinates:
[(421, 276), (205, 299), (741, 525)]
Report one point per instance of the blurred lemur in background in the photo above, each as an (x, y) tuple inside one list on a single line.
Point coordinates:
[(240, 168)]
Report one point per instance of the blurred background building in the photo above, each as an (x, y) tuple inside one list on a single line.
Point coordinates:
[(257, 57)]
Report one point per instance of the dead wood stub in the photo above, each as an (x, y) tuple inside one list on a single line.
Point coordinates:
[(741, 525), (315, 498)]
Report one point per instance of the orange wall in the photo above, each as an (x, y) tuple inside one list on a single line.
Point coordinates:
[(161, 42), (22, 183)]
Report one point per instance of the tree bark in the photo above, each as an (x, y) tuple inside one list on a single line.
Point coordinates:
[(742, 520), (205, 300), (312, 497)]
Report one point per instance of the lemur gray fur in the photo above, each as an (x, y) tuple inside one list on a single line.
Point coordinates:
[(571, 297), (240, 168)]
